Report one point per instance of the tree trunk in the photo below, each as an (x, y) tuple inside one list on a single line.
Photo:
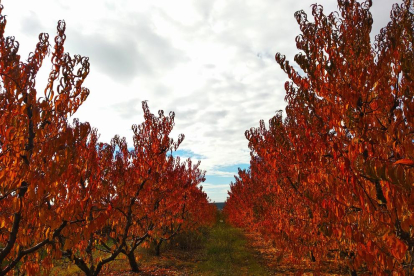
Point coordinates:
[(312, 257), (157, 248), (132, 261)]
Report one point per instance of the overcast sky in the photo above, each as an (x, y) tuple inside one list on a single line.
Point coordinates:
[(209, 61)]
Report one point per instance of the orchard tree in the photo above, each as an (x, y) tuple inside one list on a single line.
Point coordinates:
[(88, 188), (339, 168), (34, 146), (65, 193), (364, 95), (169, 192), (126, 193), (152, 168), (175, 206)]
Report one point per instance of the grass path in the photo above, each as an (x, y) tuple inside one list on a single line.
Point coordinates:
[(220, 250), (227, 253)]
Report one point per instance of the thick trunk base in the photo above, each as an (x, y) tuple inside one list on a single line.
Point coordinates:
[(133, 262)]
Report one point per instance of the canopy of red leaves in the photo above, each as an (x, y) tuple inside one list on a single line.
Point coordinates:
[(334, 179)]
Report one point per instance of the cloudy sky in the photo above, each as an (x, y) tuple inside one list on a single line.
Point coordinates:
[(209, 61)]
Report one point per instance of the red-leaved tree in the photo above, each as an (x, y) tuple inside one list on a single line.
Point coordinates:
[(35, 145), (64, 194), (337, 173)]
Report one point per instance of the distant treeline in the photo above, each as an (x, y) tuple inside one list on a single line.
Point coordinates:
[(219, 205)]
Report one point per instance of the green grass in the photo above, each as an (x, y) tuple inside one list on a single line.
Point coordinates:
[(226, 253), (220, 250)]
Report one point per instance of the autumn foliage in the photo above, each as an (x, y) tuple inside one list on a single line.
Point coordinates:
[(333, 180), (64, 194)]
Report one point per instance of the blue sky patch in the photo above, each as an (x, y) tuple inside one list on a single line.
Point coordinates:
[(233, 168), (217, 185), (188, 154)]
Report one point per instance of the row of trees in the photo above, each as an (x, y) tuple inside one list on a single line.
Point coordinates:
[(333, 180), (63, 193)]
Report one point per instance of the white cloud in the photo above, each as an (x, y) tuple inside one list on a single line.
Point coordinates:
[(216, 192), (221, 173), (212, 62)]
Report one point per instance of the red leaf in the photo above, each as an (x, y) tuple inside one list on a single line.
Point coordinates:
[(405, 162)]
